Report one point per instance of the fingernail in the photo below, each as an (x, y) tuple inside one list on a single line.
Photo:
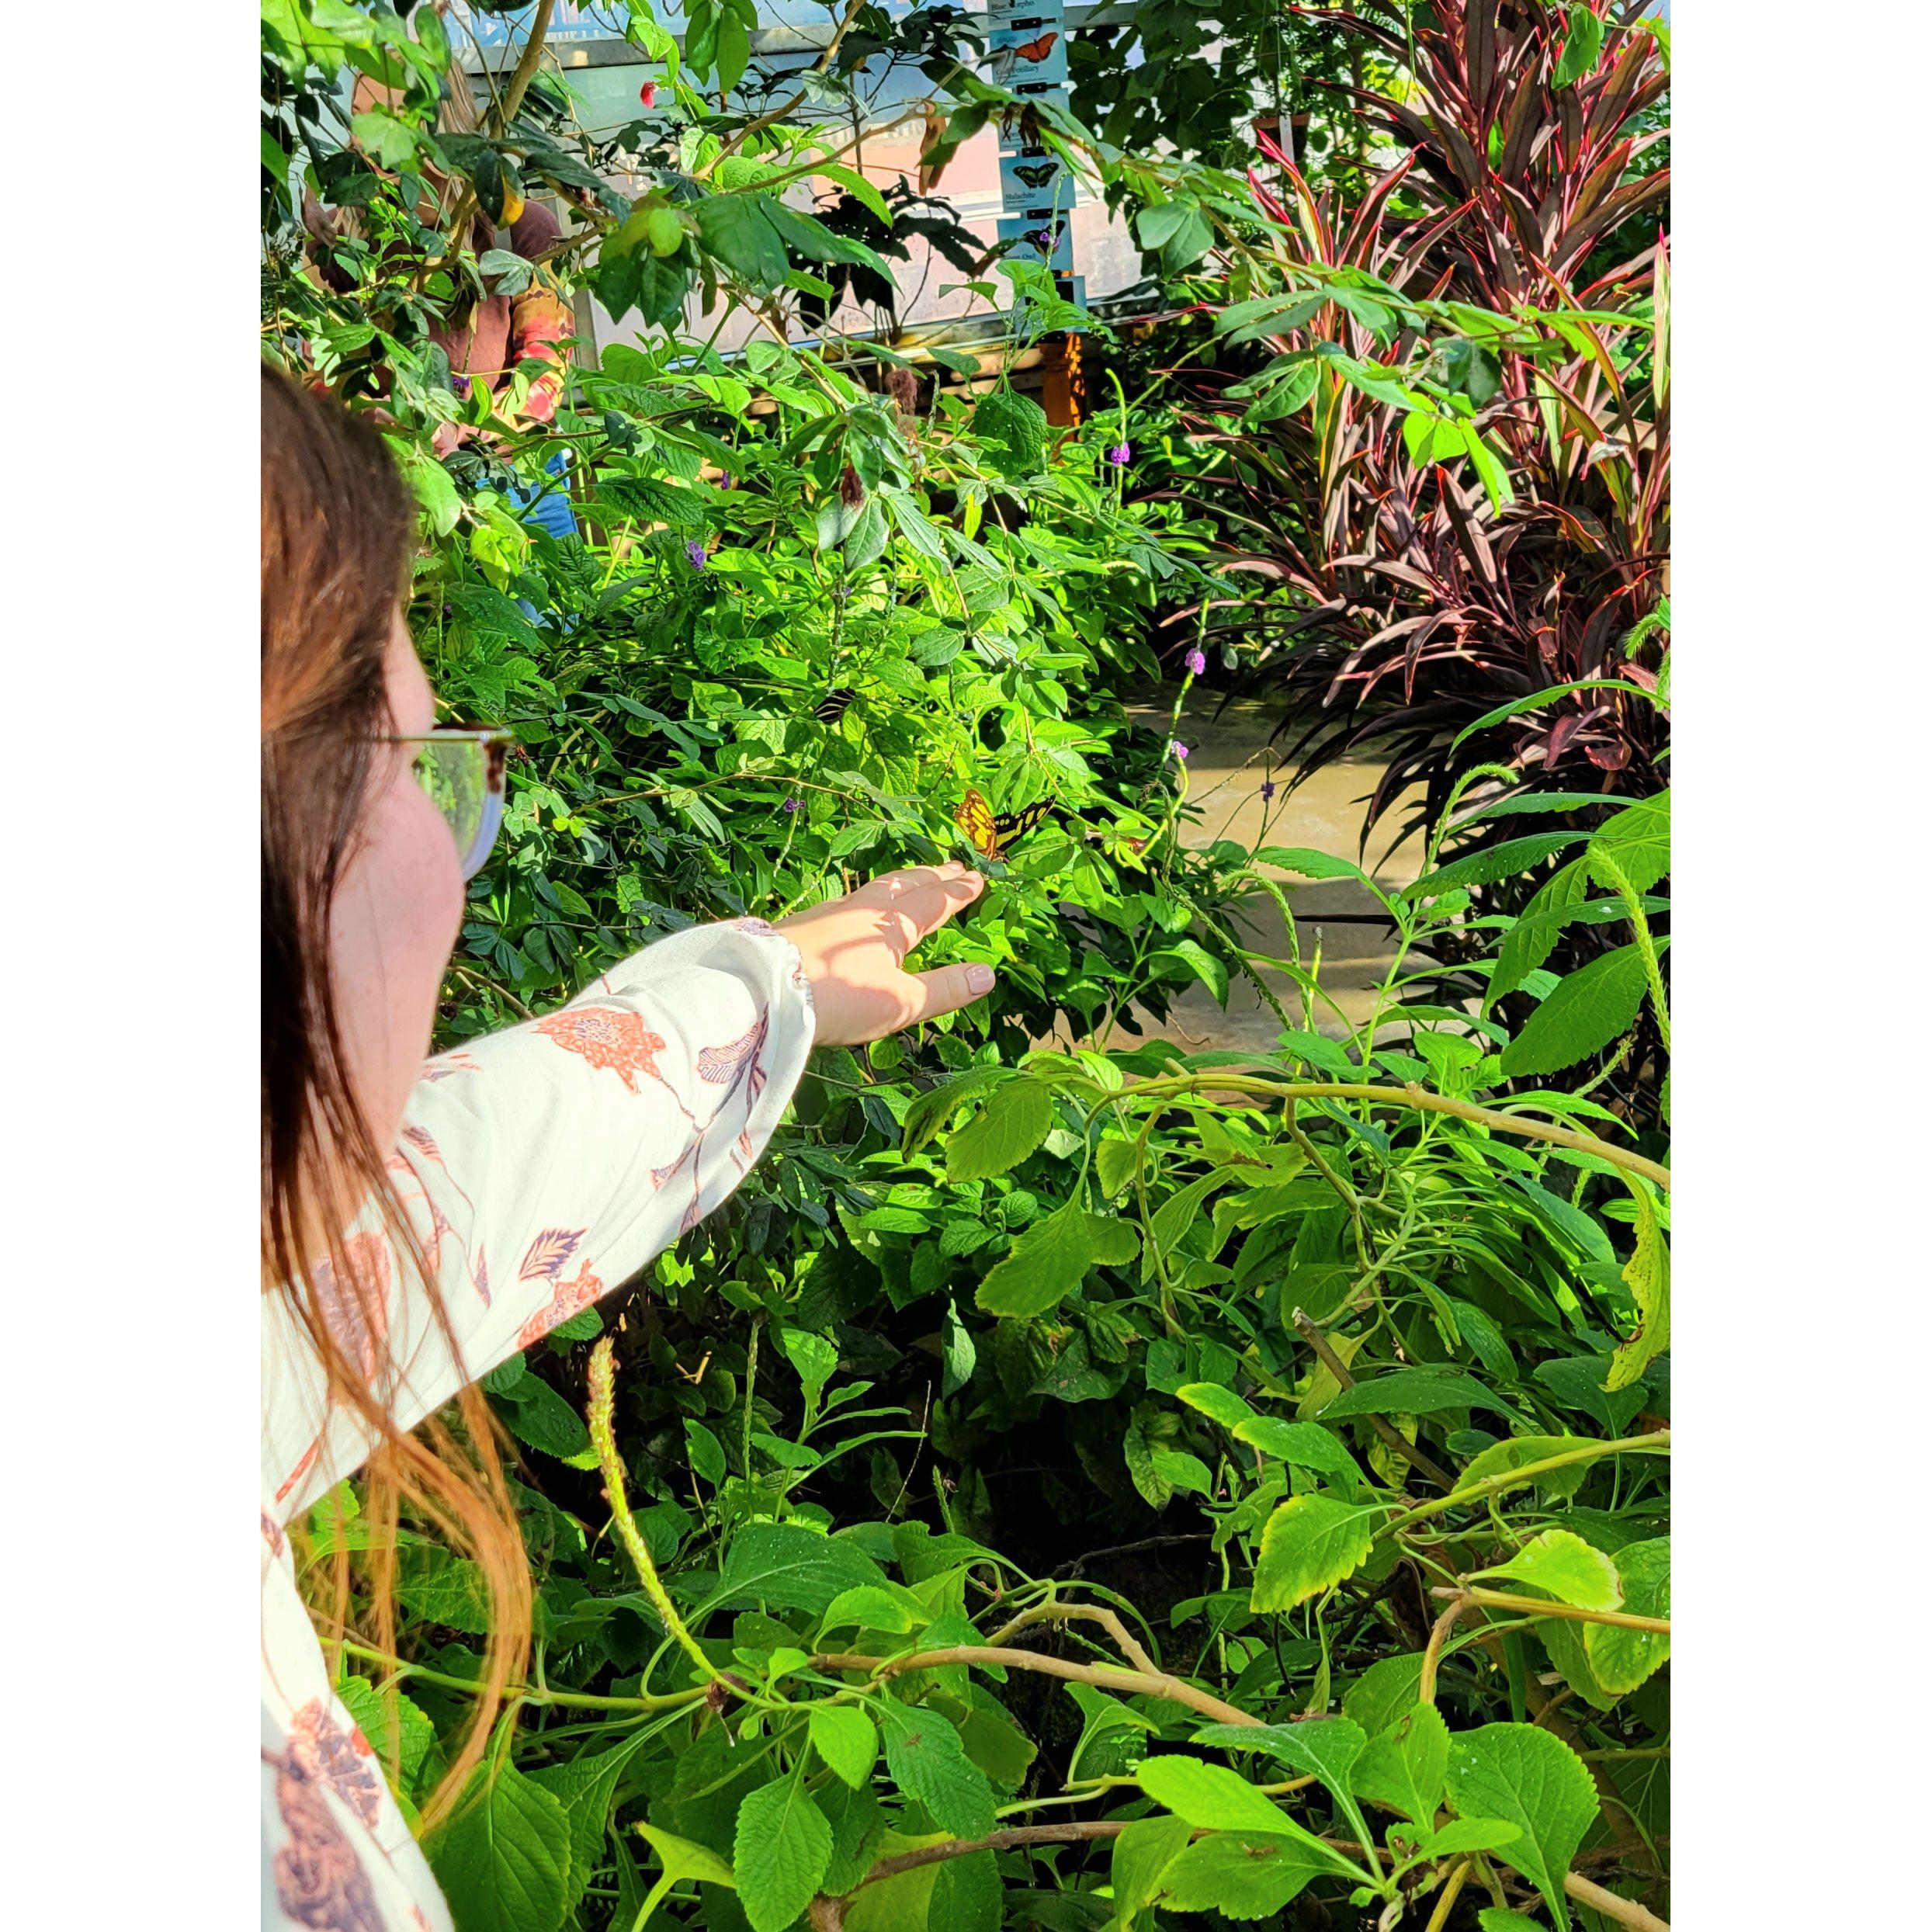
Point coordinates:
[(979, 978)]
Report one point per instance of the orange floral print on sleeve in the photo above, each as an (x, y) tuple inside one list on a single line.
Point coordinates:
[(607, 1036)]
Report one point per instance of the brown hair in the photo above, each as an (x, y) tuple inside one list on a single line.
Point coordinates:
[(337, 536)]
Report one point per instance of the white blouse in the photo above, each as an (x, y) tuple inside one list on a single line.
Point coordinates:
[(541, 1166)]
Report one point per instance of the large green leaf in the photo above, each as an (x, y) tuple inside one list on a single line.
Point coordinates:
[(929, 1765), (1011, 1125), (738, 231), (789, 1567), (1621, 1660), (780, 1850), (1240, 1879), (1047, 1264), (1413, 1392), (1406, 1767), (1516, 1453), (1309, 1545), (504, 1858), (1564, 1567), (1637, 840), (1647, 1275), (1141, 1857), (1210, 1797), (1531, 1779), (584, 1786), (846, 1738), (1580, 1015)]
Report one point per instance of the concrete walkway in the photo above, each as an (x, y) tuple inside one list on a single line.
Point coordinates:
[(1228, 758)]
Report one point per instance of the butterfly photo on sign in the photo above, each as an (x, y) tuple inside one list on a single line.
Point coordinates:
[(1036, 174)]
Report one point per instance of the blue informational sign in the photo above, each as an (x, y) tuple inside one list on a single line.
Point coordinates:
[(1050, 241), (1033, 181)]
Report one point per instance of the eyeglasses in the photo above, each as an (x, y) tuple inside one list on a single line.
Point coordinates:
[(462, 766)]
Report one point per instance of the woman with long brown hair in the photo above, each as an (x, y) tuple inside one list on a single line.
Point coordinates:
[(420, 1221)]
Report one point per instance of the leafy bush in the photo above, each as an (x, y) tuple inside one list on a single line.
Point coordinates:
[(1236, 1451)]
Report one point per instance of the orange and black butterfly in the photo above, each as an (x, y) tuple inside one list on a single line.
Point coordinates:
[(987, 831), (1035, 49)]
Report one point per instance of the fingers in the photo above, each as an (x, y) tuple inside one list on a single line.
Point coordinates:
[(889, 888), (946, 989), (930, 906)]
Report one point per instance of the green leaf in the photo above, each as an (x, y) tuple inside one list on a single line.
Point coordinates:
[(1413, 1392), (1468, 1834), (1306, 1444), (1581, 45), (503, 1859), (786, 1566), (1210, 1797), (1201, 962), (873, 1607), (704, 1451), (1010, 1126), (1113, 1163), (1142, 1855), (1047, 1264), (1637, 840), (1239, 1880), (1309, 1545), (682, 1858), (1581, 1015), (738, 231), (584, 1786), (1502, 1456), (1647, 1275), (1562, 1565), (734, 50), (369, 1709), (1560, 901), (929, 1765), (1531, 1779), (1493, 1918), (780, 1850), (814, 1357), (1384, 1694), (388, 139), (1406, 1767), (959, 1352), (846, 1738), (1621, 1660), (1218, 1404), (1323, 1747)]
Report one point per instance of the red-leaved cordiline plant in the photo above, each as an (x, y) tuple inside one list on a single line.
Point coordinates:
[(1504, 538)]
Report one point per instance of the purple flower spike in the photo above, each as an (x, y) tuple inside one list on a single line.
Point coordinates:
[(728, 482), (1196, 662), (793, 804), (1180, 751), (1268, 790), (1120, 454), (696, 551)]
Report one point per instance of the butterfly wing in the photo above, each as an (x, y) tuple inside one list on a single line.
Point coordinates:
[(833, 706), (1016, 824), (974, 817), (1038, 50)]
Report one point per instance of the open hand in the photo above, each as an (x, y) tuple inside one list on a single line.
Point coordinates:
[(855, 951)]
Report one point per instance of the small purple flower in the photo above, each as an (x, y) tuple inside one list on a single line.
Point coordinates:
[(696, 551), (793, 804), (1196, 662), (1180, 751), (728, 482), (1044, 239), (1120, 454), (1268, 790)]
